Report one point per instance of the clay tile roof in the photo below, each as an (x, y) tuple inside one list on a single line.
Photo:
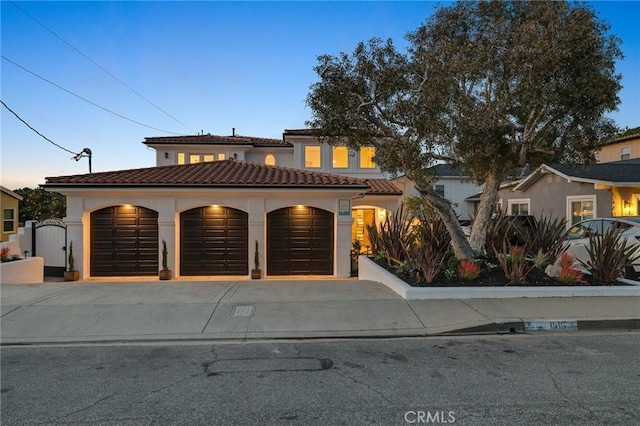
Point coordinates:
[(214, 140), (382, 187), (300, 132), (210, 174)]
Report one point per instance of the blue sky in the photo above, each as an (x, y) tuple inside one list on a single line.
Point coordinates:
[(210, 65)]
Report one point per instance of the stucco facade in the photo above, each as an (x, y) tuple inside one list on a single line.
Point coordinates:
[(9, 202)]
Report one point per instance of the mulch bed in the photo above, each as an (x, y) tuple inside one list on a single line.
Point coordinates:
[(496, 278)]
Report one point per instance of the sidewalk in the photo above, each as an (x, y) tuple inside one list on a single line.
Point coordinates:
[(267, 309)]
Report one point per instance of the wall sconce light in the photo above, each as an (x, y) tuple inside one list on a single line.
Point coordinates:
[(627, 208)]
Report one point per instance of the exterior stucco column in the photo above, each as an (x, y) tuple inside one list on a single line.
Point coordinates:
[(257, 232), (76, 234), (343, 245), (167, 232)]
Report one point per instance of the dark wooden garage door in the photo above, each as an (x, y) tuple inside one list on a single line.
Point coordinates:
[(124, 241), (214, 241), (300, 241)]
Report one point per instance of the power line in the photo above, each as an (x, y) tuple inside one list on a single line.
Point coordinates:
[(98, 65), (39, 134), (88, 101)]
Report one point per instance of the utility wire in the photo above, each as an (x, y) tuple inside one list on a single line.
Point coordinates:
[(98, 65), (86, 100), (39, 134)]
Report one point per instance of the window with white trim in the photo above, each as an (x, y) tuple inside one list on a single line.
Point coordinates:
[(9, 220), (194, 158), (519, 207), (625, 153), (580, 207), (439, 190), (181, 158)]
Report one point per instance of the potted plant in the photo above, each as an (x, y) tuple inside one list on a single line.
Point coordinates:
[(256, 273), (165, 273), (71, 274)]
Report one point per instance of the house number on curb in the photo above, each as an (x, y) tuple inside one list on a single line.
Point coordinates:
[(242, 311), (567, 325)]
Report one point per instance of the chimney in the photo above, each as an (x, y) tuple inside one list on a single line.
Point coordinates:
[(233, 131)]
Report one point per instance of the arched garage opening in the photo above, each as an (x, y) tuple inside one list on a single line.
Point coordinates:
[(124, 241), (300, 241), (214, 241)]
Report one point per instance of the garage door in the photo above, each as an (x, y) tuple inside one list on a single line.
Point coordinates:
[(214, 241), (124, 241), (300, 241)]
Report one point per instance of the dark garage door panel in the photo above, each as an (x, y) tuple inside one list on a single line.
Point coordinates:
[(300, 241), (124, 241), (214, 241)]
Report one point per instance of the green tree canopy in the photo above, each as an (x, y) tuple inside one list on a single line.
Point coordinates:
[(485, 86), (38, 204)]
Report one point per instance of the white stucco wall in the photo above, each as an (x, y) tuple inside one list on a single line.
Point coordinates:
[(26, 271)]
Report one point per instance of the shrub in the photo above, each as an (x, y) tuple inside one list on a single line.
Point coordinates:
[(468, 270), (568, 274), (4, 254), (393, 237), (499, 230), (514, 264), (430, 246), (609, 254), (543, 235)]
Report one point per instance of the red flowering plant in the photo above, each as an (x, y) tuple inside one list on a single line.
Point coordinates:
[(568, 274), (468, 270)]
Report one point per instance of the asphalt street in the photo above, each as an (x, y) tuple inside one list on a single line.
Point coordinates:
[(563, 378)]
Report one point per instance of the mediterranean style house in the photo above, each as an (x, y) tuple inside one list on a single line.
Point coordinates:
[(9, 201), (213, 198)]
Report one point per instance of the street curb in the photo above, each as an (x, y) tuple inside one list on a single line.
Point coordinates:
[(518, 327)]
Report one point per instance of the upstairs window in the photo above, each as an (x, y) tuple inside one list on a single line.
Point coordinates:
[(194, 158), (181, 158), (312, 157), (207, 158), (8, 219), (222, 156), (439, 190), (366, 157), (340, 157), (625, 153), (270, 160)]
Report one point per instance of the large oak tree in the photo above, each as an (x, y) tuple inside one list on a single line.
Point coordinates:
[(484, 86)]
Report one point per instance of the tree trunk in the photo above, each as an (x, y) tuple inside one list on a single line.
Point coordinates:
[(488, 201), (461, 248)]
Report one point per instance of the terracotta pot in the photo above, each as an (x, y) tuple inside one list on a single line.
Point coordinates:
[(71, 275), (165, 274)]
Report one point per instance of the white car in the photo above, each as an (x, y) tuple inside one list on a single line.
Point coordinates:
[(629, 226)]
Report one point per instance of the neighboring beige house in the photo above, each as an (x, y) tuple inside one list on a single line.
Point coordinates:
[(450, 184), (9, 205), (576, 193), (626, 147), (212, 197)]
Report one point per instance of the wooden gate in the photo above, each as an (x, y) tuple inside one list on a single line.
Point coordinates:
[(49, 241)]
